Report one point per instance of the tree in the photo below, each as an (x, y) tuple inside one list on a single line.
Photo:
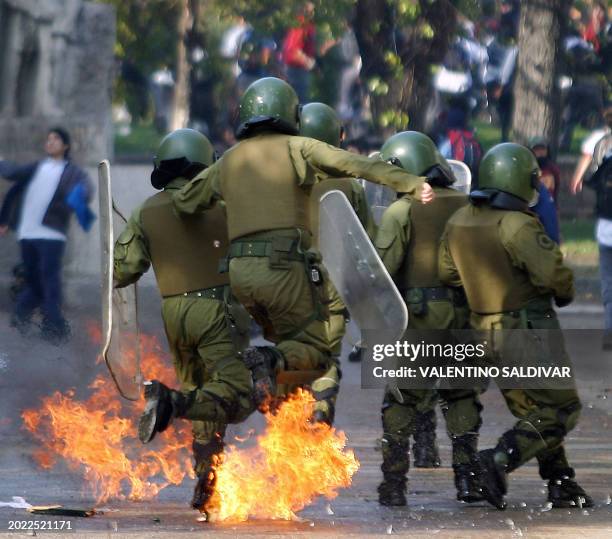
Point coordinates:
[(179, 115), (400, 41), (536, 92)]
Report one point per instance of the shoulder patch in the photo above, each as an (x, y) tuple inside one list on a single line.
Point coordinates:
[(545, 242)]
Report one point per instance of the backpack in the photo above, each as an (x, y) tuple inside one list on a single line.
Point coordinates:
[(465, 148)]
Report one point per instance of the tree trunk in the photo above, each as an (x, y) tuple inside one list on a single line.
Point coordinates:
[(374, 30), (180, 103), (536, 92)]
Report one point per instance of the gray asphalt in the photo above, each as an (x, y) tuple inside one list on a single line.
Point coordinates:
[(30, 369)]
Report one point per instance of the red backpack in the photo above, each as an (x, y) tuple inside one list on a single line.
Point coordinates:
[(465, 148)]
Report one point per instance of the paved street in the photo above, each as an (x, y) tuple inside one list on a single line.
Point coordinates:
[(30, 369)]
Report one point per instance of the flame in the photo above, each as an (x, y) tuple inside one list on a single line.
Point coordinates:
[(99, 437), (293, 462)]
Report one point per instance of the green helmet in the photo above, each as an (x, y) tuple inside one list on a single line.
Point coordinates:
[(269, 101), (509, 168), (414, 152), (182, 153), (319, 121)]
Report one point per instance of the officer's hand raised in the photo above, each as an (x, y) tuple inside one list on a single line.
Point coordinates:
[(427, 194)]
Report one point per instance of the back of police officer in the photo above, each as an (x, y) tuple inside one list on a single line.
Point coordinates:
[(511, 272), (266, 182), (185, 253), (407, 241)]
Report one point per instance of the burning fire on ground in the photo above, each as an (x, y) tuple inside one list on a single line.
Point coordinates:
[(99, 436), (291, 464)]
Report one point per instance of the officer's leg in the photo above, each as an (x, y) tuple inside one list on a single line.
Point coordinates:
[(215, 383), (398, 419), (325, 390), (207, 447), (462, 413), (282, 301), (545, 417), (425, 448), (283, 298)]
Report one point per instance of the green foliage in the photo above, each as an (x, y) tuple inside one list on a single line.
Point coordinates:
[(397, 119), (273, 17), (141, 140), (146, 32)]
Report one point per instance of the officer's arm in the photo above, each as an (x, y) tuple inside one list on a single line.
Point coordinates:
[(340, 163), (447, 270), (131, 254), (532, 250), (393, 235), (201, 193)]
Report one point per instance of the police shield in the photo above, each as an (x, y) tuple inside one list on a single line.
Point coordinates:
[(120, 334), (463, 176), (357, 271)]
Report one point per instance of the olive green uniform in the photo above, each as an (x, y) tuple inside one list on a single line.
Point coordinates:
[(266, 182), (407, 242), (185, 254), (511, 270)]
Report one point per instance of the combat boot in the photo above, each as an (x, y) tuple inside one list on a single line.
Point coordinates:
[(492, 479), (395, 466), (263, 362), (565, 493), (465, 467), (356, 354), (324, 412), (392, 491), (205, 456), (425, 448), (466, 483), (162, 406)]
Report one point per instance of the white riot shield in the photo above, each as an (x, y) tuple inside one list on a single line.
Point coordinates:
[(356, 270), (463, 176), (120, 333)]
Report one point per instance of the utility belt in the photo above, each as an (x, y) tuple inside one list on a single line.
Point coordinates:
[(417, 298), (536, 309), (281, 251), (214, 292)]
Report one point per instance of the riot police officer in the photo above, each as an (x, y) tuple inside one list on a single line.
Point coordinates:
[(266, 181), (407, 241), (203, 338), (512, 272)]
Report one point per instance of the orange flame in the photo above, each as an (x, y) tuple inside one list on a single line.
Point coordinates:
[(99, 436), (293, 462)]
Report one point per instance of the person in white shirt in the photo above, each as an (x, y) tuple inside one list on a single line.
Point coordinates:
[(38, 209), (594, 150)]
